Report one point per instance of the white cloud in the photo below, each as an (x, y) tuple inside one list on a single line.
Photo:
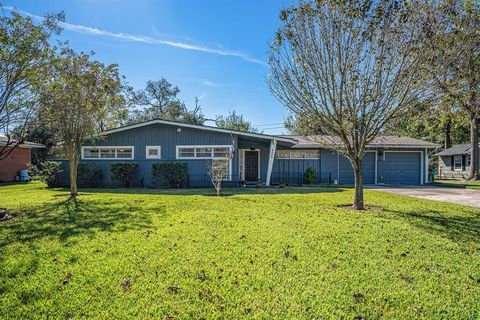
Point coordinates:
[(209, 83), (149, 40), (203, 95)]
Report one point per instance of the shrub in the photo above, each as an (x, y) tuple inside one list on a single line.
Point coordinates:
[(124, 173), (175, 173), (89, 174), (309, 176), (46, 171)]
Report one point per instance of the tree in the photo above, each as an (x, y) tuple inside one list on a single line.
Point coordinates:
[(25, 54), (218, 170), (159, 101), (451, 51), (348, 66), (442, 124), (80, 98), (234, 122)]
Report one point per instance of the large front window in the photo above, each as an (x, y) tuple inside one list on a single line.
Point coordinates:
[(105, 153), (203, 152)]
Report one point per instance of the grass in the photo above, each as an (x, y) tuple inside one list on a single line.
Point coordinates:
[(283, 253), (458, 184)]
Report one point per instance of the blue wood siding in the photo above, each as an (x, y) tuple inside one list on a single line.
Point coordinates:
[(168, 138), (402, 168), (368, 169), (292, 170)]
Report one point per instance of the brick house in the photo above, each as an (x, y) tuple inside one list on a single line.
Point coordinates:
[(17, 160)]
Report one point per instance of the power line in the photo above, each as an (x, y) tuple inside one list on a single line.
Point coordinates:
[(267, 125)]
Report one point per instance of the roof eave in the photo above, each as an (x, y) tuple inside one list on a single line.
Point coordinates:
[(199, 127)]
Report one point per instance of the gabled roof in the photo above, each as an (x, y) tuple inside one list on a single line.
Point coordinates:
[(456, 149), (200, 127), (27, 144), (317, 141)]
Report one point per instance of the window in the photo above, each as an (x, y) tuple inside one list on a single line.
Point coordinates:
[(298, 154), (457, 163), (203, 152), (106, 153), (468, 160), (153, 152)]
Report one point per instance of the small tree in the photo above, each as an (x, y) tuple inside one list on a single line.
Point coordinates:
[(218, 171), (350, 66), (80, 97), (25, 54)]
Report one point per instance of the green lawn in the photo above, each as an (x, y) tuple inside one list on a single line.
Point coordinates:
[(458, 184), (281, 253)]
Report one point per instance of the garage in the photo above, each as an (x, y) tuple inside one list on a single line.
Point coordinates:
[(402, 167), (345, 170)]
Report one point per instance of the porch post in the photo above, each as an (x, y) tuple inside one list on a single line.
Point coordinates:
[(271, 158)]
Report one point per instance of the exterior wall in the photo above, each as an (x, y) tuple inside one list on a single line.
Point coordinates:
[(381, 162), (168, 138), (447, 171), (17, 160)]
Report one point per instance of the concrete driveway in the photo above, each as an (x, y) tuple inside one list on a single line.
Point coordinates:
[(462, 196)]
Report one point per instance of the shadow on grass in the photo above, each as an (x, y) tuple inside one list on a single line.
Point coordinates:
[(70, 218), (210, 191), (462, 228)]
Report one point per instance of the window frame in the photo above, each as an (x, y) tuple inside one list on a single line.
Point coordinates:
[(107, 147), (212, 157), (468, 160), (455, 157), (159, 148), (297, 150), (194, 147)]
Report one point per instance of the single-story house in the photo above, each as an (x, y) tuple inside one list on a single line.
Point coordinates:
[(454, 162), (17, 159), (252, 157)]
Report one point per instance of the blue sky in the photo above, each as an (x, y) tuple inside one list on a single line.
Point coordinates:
[(215, 50)]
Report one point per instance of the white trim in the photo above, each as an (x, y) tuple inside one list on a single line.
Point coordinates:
[(107, 147), (422, 167), (271, 159), (159, 148), (194, 126), (243, 163), (201, 146), (461, 162), (426, 166)]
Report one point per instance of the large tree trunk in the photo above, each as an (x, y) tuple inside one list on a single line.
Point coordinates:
[(473, 174), (448, 139), (73, 166), (358, 198)]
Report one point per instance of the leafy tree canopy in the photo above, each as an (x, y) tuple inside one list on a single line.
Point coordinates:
[(235, 121)]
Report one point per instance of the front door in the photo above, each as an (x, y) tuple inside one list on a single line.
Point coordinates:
[(251, 165)]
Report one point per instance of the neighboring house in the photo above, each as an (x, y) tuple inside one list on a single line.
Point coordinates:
[(17, 160), (251, 156), (454, 163)]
